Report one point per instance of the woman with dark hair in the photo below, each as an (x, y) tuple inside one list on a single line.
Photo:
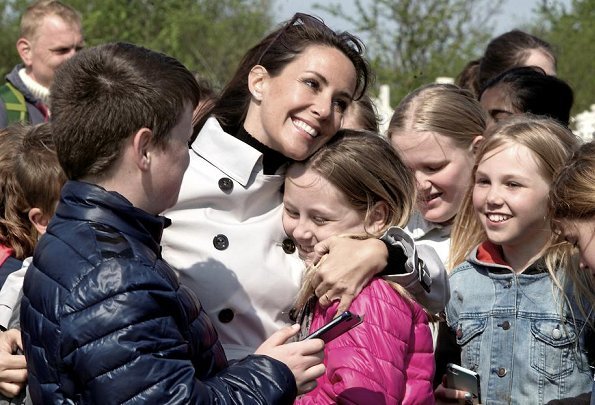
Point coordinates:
[(527, 89), (287, 98)]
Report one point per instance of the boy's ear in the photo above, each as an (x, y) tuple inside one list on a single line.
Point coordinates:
[(39, 220), (257, 80), (142, 148), (24, 50), (377, 218), (476, 143)]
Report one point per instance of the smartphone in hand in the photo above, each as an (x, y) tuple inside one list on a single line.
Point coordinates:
[(336, 327), (461, 378)]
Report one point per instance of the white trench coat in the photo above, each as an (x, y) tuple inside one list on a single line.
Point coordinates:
[(228, 245)]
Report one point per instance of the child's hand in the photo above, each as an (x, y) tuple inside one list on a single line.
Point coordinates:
[(13, 367), (304, 358), (347, 268)]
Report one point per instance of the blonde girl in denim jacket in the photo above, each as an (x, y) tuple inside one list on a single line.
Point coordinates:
[(513, 312)]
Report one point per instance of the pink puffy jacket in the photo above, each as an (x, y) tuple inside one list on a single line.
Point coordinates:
[(388, 359)]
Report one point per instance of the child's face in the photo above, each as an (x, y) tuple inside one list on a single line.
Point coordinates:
[(510, 196), (442, 170), (170, 163), (581, 233), (542, 59), (496, 102), (314, 210)]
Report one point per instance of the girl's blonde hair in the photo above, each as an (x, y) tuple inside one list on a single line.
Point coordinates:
[(572, 197), (551, 145), (445, 109), (366, 170), (573, 191)]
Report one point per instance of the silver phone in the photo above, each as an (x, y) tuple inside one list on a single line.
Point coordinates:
[(336, 327), (461, 378)]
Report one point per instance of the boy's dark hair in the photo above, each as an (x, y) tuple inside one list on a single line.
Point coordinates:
[(103, 95), (531, 90), (38, 171)]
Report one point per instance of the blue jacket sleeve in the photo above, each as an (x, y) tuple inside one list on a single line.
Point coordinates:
[(131, 346)]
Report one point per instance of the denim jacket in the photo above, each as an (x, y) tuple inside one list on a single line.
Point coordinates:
[(512, 332)]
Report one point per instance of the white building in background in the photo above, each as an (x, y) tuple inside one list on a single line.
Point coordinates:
[(383, 108), (445, 80), (584, 124)]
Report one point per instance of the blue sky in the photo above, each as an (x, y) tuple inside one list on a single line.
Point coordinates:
[(514, 13)]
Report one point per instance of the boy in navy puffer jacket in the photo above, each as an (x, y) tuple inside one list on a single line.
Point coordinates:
[(103, 317)]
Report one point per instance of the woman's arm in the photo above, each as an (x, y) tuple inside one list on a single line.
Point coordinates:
[(349, 264)]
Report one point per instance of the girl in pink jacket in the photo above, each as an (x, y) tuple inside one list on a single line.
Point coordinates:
[(357, 186)]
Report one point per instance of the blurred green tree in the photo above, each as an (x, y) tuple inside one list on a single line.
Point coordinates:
[(9, 33), (208, 36), (570, 28), (412, 42)]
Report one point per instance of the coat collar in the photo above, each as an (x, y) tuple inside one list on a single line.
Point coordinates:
[(14, 79), (230, 155), (418, 227), (90, 202)]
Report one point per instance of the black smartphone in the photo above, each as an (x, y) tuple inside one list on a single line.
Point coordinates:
[(336, 327), (463, 379)]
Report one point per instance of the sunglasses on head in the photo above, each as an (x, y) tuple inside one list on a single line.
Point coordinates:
[(299, 19)]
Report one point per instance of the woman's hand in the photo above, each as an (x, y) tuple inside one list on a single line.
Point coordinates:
[(345, 266), (303, 358), (13, 367)]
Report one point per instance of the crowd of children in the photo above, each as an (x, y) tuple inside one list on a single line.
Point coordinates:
[(279, 202)]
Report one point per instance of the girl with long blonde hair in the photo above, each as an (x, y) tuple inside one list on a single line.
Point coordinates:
[(513, 312)]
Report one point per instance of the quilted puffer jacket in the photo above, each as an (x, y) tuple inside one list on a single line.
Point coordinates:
[(387, 359), (105, 321)]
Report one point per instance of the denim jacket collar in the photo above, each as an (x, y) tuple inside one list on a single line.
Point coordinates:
[(490, 255)]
